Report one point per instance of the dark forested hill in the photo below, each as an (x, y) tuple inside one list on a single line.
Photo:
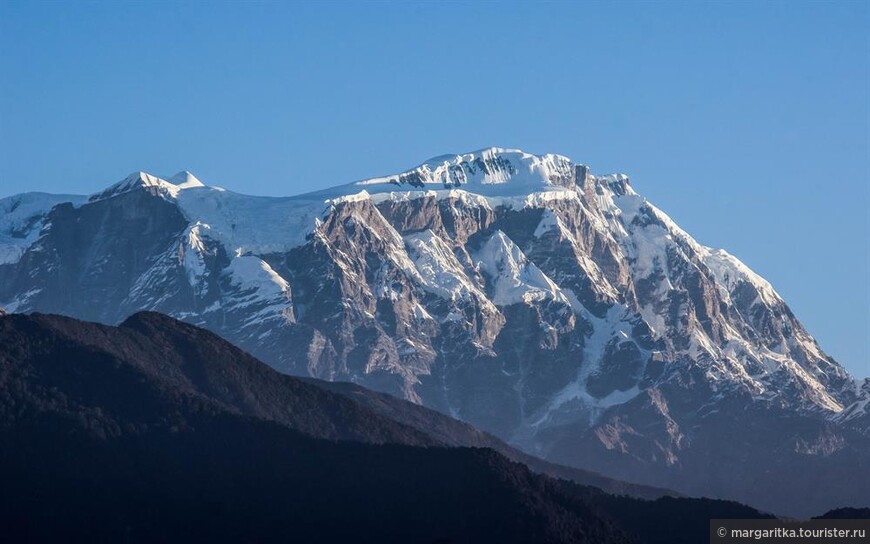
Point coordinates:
[(156, 431)]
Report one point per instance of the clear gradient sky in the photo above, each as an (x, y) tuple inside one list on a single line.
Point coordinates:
[(746, 122)]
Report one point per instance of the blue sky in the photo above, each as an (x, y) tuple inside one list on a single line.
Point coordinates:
[(746, 122)]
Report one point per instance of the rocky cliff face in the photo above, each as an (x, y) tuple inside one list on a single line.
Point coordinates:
[(557, 309)]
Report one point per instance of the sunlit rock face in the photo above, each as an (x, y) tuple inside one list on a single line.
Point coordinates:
[(553, 307)]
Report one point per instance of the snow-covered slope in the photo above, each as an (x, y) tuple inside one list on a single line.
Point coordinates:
[(859, 411), (556, 308), (241, 223), (22, 218)]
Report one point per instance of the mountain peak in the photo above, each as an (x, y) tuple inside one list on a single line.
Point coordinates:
[(488, 172), (486, 152), (186, 180), (153, 184)]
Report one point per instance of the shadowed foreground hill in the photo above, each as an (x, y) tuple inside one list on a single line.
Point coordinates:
[(194, 362), (451, 432), (157, 431)]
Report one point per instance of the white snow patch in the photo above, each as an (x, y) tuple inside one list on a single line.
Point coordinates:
[(193, 249), (439, 269), (263, 294), (515, 279), (253, 274), (20, 302), (729, 272), (549, 221)]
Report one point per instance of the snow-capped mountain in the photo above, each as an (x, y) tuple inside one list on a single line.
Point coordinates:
[(558, 309)]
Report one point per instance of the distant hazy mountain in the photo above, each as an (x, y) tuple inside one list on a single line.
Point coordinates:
[(559, 310), (159, 431)]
